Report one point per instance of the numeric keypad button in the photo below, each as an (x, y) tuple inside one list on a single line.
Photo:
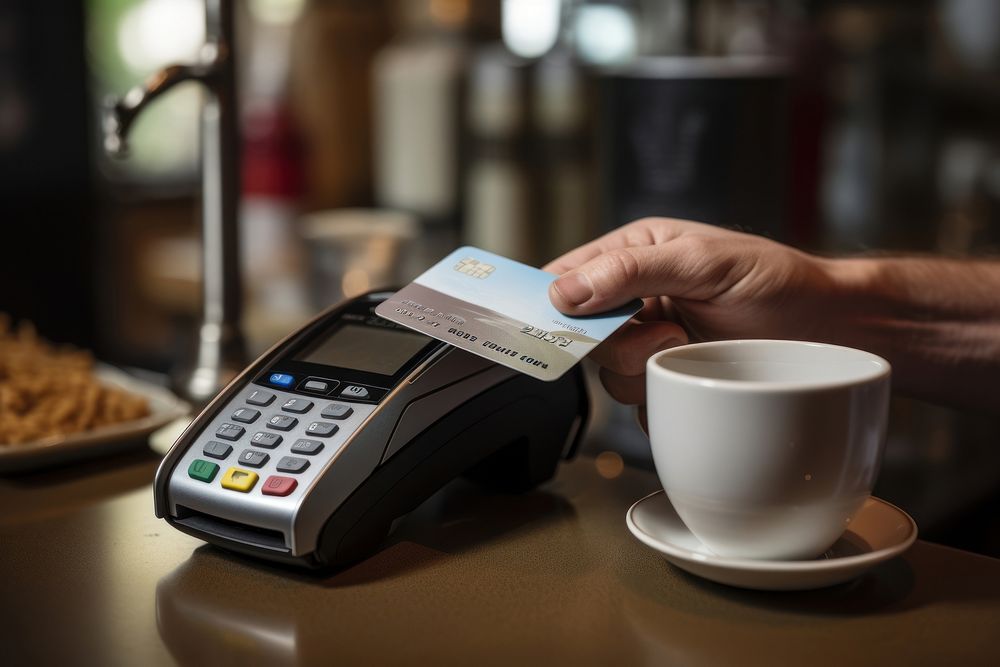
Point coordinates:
[(337, 411), (297, 405), (260, 397), (217, 450), (230, 432), (246, 415), (292, 464), (252, 458), (307, 447), (268, 440), (282, 422), (322, 429)]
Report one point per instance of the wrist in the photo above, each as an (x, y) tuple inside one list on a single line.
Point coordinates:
[(936, 321), (859, 279), (861, 301)]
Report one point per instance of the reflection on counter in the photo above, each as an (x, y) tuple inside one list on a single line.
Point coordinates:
[(200, 624), (206, 610)]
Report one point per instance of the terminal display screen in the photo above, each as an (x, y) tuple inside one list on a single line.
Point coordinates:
[(363, 348)]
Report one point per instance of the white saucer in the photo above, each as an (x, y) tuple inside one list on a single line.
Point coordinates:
[(878, 532)]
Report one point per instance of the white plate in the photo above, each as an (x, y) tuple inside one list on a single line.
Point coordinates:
[(164, 407), (878, 532)]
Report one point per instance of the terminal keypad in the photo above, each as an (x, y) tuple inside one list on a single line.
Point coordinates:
[(295, 436)]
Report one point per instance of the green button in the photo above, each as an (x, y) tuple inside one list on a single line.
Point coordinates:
[(203, 471)]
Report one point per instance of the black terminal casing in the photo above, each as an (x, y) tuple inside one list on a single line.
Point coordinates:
[(509, 436)]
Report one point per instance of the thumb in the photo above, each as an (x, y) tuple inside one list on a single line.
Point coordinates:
[(674, 269)]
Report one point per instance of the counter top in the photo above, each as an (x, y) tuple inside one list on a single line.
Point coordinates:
[(90, 576)]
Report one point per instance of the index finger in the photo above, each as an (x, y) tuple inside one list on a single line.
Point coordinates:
[(632, 234), (643, 232), (581, 255)]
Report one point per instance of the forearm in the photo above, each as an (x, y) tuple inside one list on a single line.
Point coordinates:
[(937, 321)]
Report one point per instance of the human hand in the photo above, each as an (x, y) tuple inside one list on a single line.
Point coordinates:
[(697, 282)]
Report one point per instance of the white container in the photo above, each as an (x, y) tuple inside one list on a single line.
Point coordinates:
[(767, 448)]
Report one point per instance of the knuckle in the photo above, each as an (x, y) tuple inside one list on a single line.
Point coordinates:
[(643, 223), (704, 256), (697, 245), (621, 266), (653, 229)]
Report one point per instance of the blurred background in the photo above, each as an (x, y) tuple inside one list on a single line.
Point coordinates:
[(376, 135)]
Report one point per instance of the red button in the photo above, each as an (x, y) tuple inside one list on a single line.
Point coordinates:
[(276, 485)]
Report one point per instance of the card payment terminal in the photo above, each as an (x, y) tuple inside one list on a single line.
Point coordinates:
[(349, 423)]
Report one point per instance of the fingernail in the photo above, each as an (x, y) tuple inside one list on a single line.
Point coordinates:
[(574, 287)]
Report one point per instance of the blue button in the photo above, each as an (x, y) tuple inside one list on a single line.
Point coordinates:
[(282, 379)]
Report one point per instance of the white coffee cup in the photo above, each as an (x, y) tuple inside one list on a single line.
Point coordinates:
[(767, 448)]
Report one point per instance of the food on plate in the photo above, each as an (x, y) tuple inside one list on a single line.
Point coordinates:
[(50, 391)]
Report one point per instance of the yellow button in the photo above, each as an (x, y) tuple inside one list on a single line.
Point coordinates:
[(239, 480)]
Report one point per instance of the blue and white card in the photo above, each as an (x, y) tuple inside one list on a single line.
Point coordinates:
[(500, 309)]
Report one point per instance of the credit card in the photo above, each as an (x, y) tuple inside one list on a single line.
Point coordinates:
[(500, 309)]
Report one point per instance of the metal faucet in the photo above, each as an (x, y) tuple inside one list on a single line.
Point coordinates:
[(221, 353)]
